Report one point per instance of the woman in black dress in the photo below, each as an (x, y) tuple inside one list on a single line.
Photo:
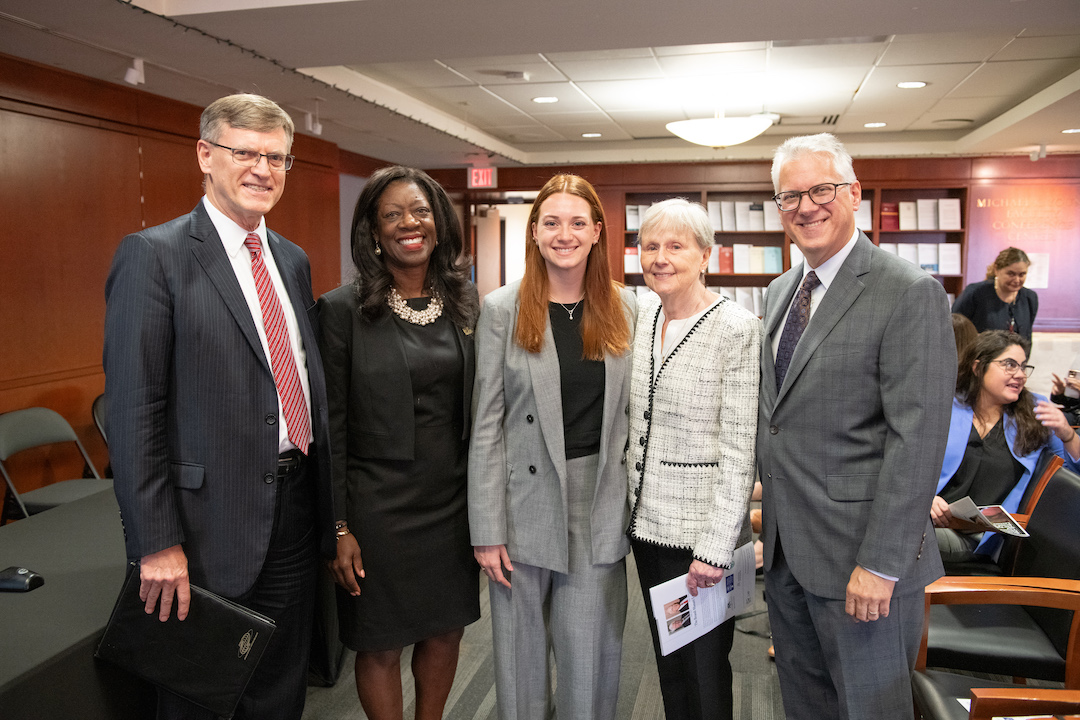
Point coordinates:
[(397, 348)]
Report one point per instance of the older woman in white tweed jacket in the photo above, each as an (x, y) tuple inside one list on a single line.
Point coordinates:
[(690, 459)]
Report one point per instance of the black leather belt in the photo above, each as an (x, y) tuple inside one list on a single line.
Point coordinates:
[(289, 462)]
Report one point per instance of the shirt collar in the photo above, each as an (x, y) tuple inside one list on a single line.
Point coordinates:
[(232, 235), (826, 272)]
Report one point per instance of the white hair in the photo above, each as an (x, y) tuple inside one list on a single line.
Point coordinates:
[(824, 144), (678, 214)]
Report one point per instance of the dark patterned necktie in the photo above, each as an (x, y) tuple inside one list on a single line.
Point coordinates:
[(797, 320)]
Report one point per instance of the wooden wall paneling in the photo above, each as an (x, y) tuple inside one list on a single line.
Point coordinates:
[(171, 179), (307, 214), (50, 87)]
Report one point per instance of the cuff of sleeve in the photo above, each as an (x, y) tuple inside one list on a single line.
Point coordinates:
[(881, 575)]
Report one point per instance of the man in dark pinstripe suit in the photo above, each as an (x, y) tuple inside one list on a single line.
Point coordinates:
[(222, 478)]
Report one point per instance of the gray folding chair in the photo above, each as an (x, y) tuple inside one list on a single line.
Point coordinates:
[(30, 428)]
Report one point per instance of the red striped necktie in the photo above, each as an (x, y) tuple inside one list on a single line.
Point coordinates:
[(286, 376)]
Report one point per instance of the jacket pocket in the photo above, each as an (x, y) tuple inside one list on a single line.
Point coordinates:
[(851, 488), (186, 475)]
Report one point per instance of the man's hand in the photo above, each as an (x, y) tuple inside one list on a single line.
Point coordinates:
[(162, 574), (868, 595)]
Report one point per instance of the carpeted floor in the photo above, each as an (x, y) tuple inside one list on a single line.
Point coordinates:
[(757, 693)]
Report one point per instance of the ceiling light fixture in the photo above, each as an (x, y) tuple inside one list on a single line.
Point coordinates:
[(722, 131), (1071, 131), (545, 99), (136, 74), (873, 125), (1040, 154), (591, 135), (911, 85)]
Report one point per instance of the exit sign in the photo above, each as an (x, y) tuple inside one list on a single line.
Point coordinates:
[(487, 177)]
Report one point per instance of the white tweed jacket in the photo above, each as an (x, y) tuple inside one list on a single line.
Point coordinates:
[(690, 458)]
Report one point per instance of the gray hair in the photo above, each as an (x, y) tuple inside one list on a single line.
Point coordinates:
[(678, 215), (244, 112), (823, 143)]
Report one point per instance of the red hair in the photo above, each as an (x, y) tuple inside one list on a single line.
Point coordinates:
[(604, 327)]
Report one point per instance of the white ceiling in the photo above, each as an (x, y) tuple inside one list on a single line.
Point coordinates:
[(443, 84)]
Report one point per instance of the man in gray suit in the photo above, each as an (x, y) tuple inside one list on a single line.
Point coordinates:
[(858, 368), (217, 406)]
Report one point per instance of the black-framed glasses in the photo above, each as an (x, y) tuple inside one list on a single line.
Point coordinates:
[(1011, 366), (250, 158), (821, 194)]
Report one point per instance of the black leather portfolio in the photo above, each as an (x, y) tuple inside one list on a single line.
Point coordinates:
[(207, 658)]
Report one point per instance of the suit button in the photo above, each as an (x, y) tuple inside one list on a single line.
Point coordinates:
[(268, 478), (532, 469), (641, 440), (271, 419), (647, 415), (769, 476), (773, 430), (528, 418), (637, 466)]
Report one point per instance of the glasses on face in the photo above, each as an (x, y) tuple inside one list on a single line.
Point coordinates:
[(1012, 367), (822, 194), (250, 158)]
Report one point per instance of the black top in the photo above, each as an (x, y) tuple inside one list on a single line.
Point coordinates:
[(988, 472), (582, 383), (980, 303)]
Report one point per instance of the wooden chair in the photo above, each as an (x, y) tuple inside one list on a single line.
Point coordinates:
[(936, 691)]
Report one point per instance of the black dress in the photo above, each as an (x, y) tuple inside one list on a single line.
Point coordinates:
[(411, 517), (980, 304)]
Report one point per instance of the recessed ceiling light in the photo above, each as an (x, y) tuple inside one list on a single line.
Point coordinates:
[(911, 84), (1071, 131), (591, 135), (545, 99), (954, 122), (874, 125)]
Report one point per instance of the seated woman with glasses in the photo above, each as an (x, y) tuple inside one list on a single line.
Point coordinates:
[(997, 433)]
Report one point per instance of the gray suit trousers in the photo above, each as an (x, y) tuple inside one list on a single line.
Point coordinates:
[(582, 611)]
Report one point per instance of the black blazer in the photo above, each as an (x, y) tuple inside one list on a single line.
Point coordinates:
[(193, 410), (371, 413)]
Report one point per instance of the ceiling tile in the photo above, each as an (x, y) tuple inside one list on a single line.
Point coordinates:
[(897, 119), (1040, 48), (404, 75), (879, 93), (474, 105), (492, 71), (824, 56), (581, 55), (717, 63), (1019, 78), (613, 69), (712, 48), (570, 98), (935, 49)]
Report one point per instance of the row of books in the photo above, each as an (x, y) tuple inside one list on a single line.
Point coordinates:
[(922, 214), (740, 216), (935, 258), (727, 259)]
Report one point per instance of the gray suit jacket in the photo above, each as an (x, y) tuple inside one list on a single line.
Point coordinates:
[(193, 411), (850, 447), (517, 460)]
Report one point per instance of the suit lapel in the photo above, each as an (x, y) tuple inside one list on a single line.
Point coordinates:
[(546, 381), (468, 359), (842, 293), (614, 377), (210, 254)]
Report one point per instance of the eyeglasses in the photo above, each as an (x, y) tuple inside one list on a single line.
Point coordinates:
[(250, 158), (821, 194), (1011, 366)]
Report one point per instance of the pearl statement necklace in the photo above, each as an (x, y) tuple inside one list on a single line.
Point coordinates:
[(417, 317)]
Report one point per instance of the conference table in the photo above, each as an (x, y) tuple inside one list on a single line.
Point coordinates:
[(48, 635)]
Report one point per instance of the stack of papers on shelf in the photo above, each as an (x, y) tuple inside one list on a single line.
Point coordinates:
[(949, 214), (909, 252), (795, 254), (926, 210), (757, 259), (928, 257), (726, 258), (727, 214), (714, 260), (949, 259), (888, 247), (633, 218), (774, 261), (757, 217), (714, 215), (740, 258), (742, 216), (631, 260), (772, 217), (864, 216), (909, 216)]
